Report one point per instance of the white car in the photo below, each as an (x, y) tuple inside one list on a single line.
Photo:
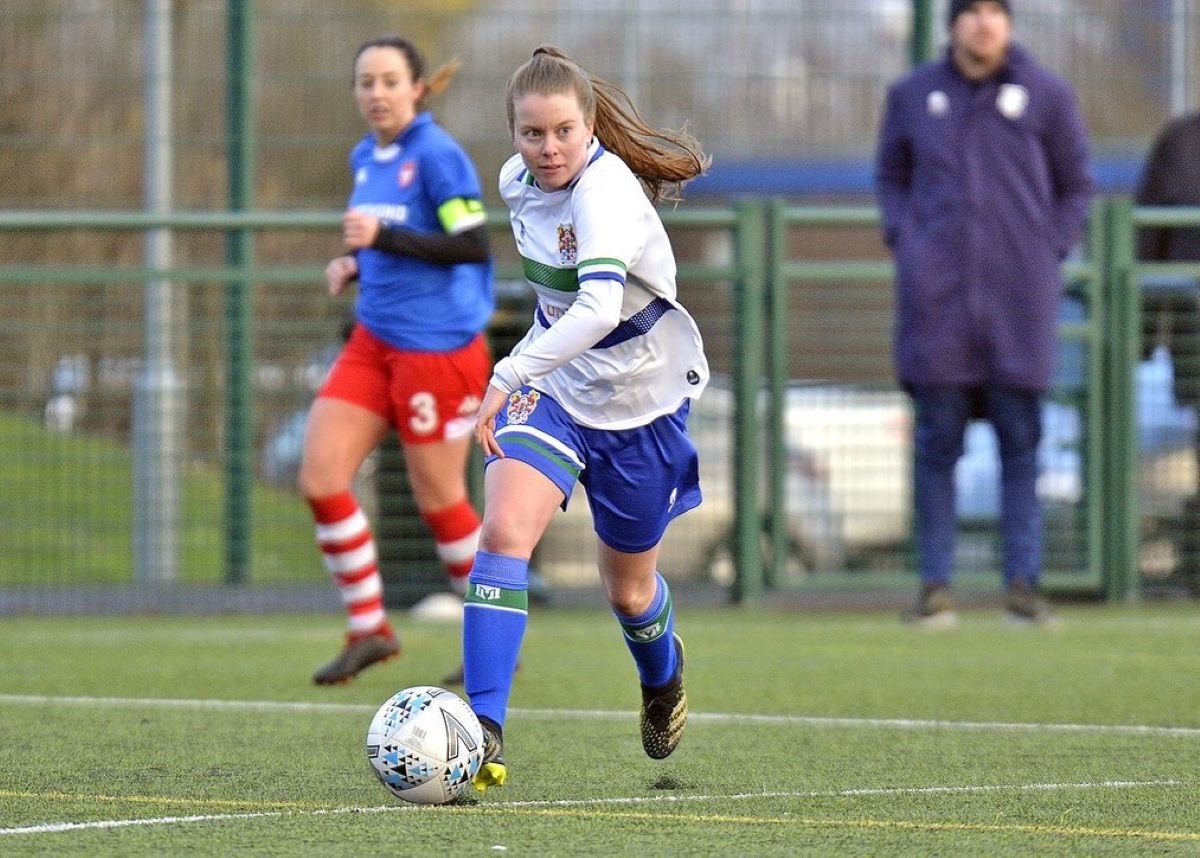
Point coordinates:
[(848, 482), (846, 487)]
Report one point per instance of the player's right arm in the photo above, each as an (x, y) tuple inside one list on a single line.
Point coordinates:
[(340, 273)]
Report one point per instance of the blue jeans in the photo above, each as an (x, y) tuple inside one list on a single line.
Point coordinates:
[(942, 414)]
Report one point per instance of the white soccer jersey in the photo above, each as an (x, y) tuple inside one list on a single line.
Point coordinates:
[(597, 256)]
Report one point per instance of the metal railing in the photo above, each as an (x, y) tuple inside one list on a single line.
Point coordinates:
[(746, 250)]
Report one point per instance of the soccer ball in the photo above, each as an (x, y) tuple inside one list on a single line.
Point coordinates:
[(425, 744)]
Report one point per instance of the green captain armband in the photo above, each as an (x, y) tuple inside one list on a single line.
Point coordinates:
[(458, 214)]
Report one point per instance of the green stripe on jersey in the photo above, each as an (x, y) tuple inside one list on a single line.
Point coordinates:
[(602, 264), (559, 279), (493, 596)]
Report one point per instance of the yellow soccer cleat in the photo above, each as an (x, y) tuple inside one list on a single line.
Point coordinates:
[(493, 771)]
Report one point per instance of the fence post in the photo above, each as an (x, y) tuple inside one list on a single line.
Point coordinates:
[(1096, 478), (158, 395), (777, 328), (750, 238), (923, 46), (1124, 345), (239, 462)]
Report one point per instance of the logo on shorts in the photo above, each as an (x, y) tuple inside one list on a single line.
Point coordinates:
[(567, 248), (521, 405)]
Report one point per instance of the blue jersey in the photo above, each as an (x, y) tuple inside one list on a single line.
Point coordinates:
[(425, 182)]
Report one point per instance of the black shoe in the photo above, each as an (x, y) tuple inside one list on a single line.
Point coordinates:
[(357, 655), (934, 609), (664, 712), (1023, 606), (492, 771)]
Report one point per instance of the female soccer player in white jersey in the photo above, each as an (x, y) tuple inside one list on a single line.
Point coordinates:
[(597, 391), (416, 242)]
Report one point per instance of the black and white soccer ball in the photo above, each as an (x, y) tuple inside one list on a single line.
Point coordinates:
[(425, 744)]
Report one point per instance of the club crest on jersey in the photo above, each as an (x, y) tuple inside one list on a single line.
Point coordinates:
[(521, 405), (567, 248), (406, 173)]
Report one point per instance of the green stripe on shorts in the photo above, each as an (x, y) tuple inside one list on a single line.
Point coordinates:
[(542, 450)]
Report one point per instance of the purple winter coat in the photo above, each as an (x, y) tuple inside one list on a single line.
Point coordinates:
[(984, 188)]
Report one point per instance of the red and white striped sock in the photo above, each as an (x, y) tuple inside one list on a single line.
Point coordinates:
[(456, 531), (348, 549)]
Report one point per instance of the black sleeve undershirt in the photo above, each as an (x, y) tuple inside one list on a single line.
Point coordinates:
[(443, 248)]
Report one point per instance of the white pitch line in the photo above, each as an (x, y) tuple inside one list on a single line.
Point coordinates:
[(610, 714), (59, 827)]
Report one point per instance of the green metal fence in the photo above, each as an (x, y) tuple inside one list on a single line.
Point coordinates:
[(830, 320), (806, 438), (250, 338), (1155, 313)]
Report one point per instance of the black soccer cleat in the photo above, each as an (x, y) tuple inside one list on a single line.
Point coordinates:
[(664, 712), (356, 656)]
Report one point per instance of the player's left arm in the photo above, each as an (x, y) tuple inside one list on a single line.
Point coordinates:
[(444, 248), (451, 183)]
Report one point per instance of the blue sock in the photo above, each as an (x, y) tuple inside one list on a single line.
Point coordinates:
[(495, 613), (650, 637)]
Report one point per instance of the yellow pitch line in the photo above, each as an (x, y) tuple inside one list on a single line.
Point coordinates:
[(164, 800), (1056, 830)]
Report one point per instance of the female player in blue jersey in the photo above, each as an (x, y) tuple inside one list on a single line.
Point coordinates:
[(597, 391), (416, 361)]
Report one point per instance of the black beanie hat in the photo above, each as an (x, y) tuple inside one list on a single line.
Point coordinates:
[(957, 7)]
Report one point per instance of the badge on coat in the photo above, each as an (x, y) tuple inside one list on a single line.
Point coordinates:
[(1012, 100), (937, 103)]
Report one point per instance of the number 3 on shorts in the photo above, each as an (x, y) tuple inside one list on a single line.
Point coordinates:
[(423, 407)]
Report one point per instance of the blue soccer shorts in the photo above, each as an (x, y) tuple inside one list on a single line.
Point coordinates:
[(636, 480)]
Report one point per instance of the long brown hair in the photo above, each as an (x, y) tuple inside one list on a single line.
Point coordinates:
[(435, 84), (662, 160)]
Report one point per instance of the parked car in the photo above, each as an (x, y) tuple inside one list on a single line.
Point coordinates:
[(845, 489), (1166, 442), (848, 485), (848, 479)]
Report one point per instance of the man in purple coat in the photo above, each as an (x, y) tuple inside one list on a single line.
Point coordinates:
[(983, 178)]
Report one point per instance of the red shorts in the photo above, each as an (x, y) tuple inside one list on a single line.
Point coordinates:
[(425, 396)]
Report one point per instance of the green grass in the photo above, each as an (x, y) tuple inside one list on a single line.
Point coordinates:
[(826, 734), (68, 507)]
